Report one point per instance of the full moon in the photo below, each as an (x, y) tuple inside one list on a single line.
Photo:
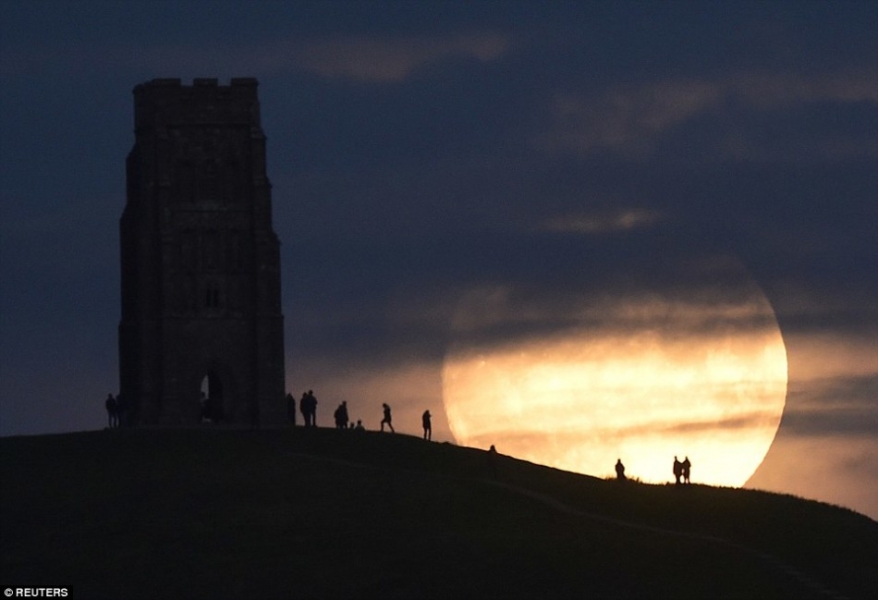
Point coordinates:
[(580, 382)]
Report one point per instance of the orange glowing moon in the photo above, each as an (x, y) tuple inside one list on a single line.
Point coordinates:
[(640, 378)]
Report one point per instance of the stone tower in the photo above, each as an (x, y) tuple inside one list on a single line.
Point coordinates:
[(201, 335)]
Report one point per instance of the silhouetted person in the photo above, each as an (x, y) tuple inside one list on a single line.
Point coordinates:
[(493, 459), (112, 411), (291, 409), (303, 408), (620, 470), (312, 407), (428, 426), (308, 407), (359, 426), (387, 419), (684, 469), (678, 470), (341, 416)]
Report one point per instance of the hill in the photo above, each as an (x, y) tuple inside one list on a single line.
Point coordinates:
[(342, 514)]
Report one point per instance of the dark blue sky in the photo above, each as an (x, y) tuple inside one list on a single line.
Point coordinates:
[(420, 149)]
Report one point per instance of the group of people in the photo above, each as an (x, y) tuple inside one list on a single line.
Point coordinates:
[(681, 470), (308, 408), (341, 418)]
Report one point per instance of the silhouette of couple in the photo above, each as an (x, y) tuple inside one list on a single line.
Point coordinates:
[(116, 409), (308, 407), (681, 470)]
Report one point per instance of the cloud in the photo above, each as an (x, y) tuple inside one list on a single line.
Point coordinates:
[(351, 58), (841, 470), (644, 427), (704, 297), (625, 118), (630, 119), (771, 91), (821, 356), (831, 406), (616, 221), (381, 60)]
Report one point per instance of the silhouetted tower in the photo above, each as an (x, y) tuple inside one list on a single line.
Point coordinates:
[(201, 306)]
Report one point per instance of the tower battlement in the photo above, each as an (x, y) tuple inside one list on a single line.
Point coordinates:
[(169, 101)]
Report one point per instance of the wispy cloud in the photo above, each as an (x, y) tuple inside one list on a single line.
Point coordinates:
[(597, 223), (841, 470), (707, 303), (352, 58), (770, 91), (629, 119), (754, 419), (625, 118), (825, 357), (370, 59), (833, 384)]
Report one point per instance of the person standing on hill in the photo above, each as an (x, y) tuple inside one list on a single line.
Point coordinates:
[(112, 412), (303, 408), (312, 407), (341, 415), (387, 419), (684, 469), (620, 470), (308, 407), (428, 426)]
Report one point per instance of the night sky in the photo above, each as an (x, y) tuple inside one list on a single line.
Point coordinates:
[(419, 151)]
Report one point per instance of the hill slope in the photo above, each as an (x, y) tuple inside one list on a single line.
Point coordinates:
[(323, 513)]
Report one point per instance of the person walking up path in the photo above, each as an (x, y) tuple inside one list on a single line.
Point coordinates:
[(387, 419)]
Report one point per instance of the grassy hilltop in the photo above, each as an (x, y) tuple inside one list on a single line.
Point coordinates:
[(344, 514)]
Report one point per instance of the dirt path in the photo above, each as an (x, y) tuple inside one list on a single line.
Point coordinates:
[(814, 589)]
